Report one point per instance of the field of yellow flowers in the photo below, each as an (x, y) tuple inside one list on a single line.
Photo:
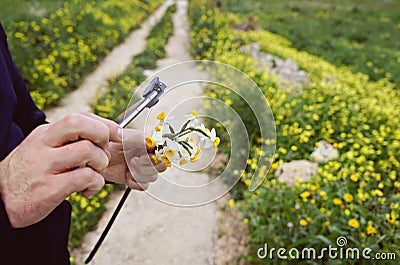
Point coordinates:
[(356, 195), (56, 51)]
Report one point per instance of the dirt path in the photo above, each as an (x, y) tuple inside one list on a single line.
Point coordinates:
[(148, 231)]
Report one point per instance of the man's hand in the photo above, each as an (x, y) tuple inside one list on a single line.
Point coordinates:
[(136, 152), (53, 162)]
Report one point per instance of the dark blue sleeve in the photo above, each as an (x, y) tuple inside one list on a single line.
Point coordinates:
[(46, 241)]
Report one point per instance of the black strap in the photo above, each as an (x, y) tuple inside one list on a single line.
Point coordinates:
[(108, 227)]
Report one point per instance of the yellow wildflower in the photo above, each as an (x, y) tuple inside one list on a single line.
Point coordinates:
[(337, 201), (247, 182), (370, 229), (348, 197), (305, 194), (303, 222), (231, 203), (353, 223), (354, 177)]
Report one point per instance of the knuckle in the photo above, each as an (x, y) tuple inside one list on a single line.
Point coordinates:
[(73, 120), (86, 147)]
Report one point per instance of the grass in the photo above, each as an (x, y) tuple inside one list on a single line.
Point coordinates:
[(11, 10), (363, 34)]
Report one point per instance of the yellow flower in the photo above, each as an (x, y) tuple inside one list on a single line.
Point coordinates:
[(155, 159), (322, 193), (150, 141), (161, 116), (195, 158), (305, 194), (245, 220), (247, 182), (231, 203), (308, 219), (194, 113), (217, 141), (170, 152), (378, 193), (390, 219), (327, 223), (294, 148), (354, 177), (337, 201), (166, 161), (353, 223), (303, 222), (197, 151), (348, 197), (371, 230)]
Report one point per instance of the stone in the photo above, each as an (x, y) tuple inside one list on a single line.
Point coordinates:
[(324, 152), (297, 170)]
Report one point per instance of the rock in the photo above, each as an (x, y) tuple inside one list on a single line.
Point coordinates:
[(297, 170), (324, 152), (287, 69)]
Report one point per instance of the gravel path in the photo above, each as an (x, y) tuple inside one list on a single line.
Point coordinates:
[(148, 231)]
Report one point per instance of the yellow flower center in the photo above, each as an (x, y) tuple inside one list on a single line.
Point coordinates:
[(165, 161), (150, 141), (155, 159), (197, 151), (217, 141), (195, 158), (170, 152), (161, 116), (194, 113)]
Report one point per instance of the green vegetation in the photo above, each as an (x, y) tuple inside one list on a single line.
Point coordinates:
[(55, 52), (357, 195), (115, 96), (364, 34), (14, 10)]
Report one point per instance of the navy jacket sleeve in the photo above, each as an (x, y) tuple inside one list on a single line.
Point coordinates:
[(44, 242)]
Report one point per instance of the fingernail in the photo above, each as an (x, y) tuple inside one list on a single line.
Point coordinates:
[(120, 133)]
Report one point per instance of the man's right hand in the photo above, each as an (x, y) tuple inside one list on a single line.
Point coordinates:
[(54, 161)]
